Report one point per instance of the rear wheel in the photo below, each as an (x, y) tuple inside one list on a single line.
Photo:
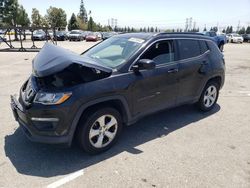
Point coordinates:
[(99, 130), (209, 96)]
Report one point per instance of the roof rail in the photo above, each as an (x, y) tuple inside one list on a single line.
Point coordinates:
[(173, 33)]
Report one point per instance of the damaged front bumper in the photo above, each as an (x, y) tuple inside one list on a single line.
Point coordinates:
[(43, 126)]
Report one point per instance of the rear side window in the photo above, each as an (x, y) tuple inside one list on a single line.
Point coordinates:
[(188, 48), (161, 52), (203, 46)]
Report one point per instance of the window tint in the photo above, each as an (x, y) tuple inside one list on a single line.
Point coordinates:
[(161, 52), (188, 48), (203, 46), (212, 34)]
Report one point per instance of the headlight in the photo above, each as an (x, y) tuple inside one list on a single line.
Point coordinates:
[(51, 98)]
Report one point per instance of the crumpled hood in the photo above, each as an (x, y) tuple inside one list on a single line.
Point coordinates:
[(52, 59)]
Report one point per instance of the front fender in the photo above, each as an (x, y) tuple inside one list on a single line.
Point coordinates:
[(83, 107)]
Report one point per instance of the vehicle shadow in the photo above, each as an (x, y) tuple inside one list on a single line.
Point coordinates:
[(47, 161)]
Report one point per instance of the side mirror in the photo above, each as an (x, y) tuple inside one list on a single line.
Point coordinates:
[(143, 64)]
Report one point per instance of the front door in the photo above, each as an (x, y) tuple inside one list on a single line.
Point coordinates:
[(156, 89)]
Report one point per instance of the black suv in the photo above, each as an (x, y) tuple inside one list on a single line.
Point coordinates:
[(91, 96)]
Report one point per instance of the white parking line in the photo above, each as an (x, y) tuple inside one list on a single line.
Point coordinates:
[(66, 179), (244, 92)]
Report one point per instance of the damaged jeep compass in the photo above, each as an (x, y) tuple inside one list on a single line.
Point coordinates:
[(91, 96)]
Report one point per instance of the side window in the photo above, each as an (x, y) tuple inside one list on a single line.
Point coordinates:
[(161, 52), (188, 48), (212, 34), (203, 46)]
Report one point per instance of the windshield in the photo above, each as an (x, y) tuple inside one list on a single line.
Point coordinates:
[(60, 32), (39, 33), (236, 35), (114, 51), (74, 32)]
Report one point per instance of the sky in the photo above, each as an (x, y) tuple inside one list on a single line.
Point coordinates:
[(164, 14)]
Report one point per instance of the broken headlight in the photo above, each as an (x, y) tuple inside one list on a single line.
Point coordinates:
[(51, 98)]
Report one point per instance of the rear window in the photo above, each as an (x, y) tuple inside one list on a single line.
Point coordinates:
[(188, 48), (203, 46)]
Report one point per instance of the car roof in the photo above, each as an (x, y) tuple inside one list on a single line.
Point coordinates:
[(148, 36)]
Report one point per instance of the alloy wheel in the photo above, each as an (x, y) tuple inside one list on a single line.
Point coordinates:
[(103, 131), (210, 96)]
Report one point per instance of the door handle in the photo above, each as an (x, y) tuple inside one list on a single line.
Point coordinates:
[(173, 70)]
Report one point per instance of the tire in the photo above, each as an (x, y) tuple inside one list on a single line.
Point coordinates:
[(96, 121), (221, 47), (209, 96)]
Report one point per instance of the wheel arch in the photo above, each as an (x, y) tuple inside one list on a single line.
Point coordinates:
[(117, 102), (217, 79)]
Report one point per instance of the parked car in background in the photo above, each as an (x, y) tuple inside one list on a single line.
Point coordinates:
[(246, 37), (11, 32), (28, 32), (93, 36), (227, 37), (85, 33), (99, 35), (39, 35), (61, 36), (235, 38), (2, 31), (90, 97), (107, 35), (76, 35), (220, 40)]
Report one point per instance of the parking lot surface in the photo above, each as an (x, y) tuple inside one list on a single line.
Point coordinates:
[(181, 147)]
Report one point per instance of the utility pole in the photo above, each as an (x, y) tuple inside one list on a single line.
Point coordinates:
[(190, 23), (238, 27), (115, 23), (186, 26)]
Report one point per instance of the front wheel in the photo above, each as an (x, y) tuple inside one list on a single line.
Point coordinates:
[(209, 97), (99, 130)]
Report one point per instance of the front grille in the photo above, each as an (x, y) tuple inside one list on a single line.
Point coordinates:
[(28, 91)]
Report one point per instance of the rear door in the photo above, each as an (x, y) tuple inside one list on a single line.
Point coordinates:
[(193, 67)]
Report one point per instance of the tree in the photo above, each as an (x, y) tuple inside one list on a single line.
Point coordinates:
[(56, 17), (83, 13), (9, 12), (36, 18), (90, 24), (81, 24), (205, 29), (44, 22), (1, 12), (230, 29), (23, 18), (156, 30), (248, 30), (151, 29), (13, 14), (73, 24), (223, 31), (242, 31)]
